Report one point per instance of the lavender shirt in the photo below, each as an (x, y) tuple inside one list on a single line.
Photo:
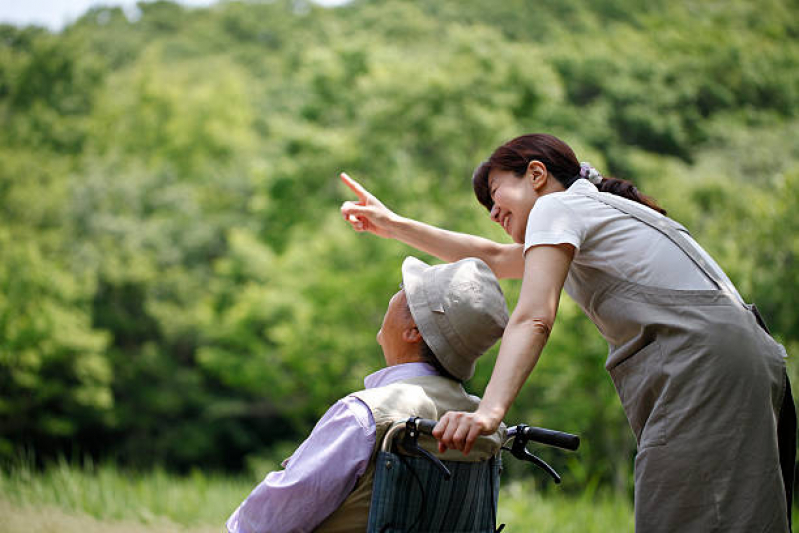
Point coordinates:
[(322, 472)]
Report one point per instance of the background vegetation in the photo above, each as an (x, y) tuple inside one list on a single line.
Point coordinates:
[(176, 285)]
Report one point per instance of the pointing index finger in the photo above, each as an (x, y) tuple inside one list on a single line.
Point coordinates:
[(355, 187)]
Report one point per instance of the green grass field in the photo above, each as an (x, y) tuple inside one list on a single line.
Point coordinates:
[(103, 498), (65, 498)]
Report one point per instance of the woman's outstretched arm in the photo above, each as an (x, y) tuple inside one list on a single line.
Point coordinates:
[(525, 337), (371, 215)]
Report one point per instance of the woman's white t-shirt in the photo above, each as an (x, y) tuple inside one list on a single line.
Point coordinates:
[(615, 242)]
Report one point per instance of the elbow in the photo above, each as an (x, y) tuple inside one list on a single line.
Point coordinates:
[(540, 326), (506, 260)]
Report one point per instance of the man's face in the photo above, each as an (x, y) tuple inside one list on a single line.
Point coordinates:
[(396, 320)]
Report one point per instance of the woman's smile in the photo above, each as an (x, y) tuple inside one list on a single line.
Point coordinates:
[(504, 218), (513, 198), (501, 217), (506, 223)]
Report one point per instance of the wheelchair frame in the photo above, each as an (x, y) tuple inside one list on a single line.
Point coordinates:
[(412, 454)]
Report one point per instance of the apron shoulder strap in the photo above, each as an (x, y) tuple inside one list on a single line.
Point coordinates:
[(668, 227)]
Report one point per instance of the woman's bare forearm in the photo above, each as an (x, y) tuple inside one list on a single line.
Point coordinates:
[(506, 260), (529, 327), (522, 343), (369, 214), (521, 348)]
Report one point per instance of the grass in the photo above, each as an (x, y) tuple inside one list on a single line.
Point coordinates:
[(104, 498), (150, 501), (523, 508), (48, 519)]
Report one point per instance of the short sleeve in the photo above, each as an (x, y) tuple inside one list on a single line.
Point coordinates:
[(551, 221)]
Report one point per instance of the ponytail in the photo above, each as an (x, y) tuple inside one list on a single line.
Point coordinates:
[(616, 186), (626, 189)]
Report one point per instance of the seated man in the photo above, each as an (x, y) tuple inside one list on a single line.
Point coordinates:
[(435, 328)]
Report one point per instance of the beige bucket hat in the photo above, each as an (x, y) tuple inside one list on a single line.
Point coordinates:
[(459, 309)]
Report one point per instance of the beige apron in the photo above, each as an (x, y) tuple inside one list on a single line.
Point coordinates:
[(702, 385)]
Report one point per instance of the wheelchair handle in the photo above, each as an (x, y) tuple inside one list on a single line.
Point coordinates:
[(425, 426), (422, 425), (550, 437), (520, 435)]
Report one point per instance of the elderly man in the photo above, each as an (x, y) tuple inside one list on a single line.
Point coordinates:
[(443, 318)]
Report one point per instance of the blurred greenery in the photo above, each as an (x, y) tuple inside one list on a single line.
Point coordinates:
[(177, 286)]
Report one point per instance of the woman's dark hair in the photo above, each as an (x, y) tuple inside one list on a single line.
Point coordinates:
[(516, 154)]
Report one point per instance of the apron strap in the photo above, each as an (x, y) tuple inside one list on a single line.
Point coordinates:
[(672, 230)]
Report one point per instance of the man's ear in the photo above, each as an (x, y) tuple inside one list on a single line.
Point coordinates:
[(411, 335), (537, 173)]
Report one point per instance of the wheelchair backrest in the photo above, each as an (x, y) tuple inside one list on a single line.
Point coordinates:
[(412, 493)]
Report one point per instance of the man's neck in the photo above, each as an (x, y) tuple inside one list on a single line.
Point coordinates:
[(403, 357), (393, 373)]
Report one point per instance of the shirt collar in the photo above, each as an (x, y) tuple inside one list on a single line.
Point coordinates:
[(582, 184), (391, 374)]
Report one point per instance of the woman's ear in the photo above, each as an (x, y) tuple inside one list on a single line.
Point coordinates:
[(537, 173)]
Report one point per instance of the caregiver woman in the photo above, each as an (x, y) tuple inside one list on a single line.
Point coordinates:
[(703, 385)]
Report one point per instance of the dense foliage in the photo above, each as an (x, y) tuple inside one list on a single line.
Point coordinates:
[(176, 284)]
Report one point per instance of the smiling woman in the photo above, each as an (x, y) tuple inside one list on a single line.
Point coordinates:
[(691, 363)]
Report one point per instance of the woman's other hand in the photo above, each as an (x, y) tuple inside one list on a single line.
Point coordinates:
[(459, 430), (368, 213)]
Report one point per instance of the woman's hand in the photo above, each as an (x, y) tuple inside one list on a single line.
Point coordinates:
[(368, 213), (459, 430)]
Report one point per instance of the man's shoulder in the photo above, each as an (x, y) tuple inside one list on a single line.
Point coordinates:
[(404, 388), (351, 408), (424, 396), (412, 386)]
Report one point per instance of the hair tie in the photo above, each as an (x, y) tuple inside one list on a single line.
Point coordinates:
[(590, 173)]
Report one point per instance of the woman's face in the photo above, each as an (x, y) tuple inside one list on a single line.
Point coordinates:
[(513, 197)]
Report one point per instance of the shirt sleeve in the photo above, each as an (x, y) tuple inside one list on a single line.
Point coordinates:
[(551, 221), (318, 477)]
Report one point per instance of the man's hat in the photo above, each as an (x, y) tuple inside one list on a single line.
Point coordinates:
[(459, 309)]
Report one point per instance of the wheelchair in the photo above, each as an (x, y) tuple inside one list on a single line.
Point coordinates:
[(416, 491)]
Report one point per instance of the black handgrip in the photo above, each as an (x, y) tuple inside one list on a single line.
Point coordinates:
[(425, 426), (567, 441)]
